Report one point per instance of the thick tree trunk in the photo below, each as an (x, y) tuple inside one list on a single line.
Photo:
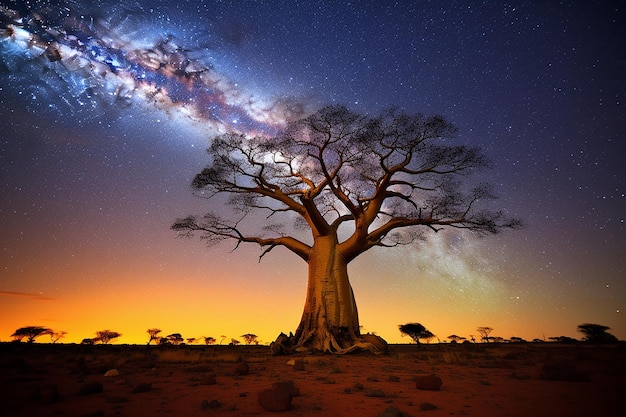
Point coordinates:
[(330, 321)]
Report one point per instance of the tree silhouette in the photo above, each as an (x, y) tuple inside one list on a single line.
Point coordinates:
[(56, 336), (234, 342), (563, 339), (154, 335), (30, 333), (208, 340), (105, 336), (416, 331), (172, 339), (596, 333), (456, 339), (250, 338), (484, 333), (354, 183)]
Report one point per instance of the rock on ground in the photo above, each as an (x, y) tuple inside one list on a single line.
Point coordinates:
[(429, 382)]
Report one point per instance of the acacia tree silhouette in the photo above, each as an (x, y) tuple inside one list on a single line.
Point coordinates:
[(354, 182), (55, 336), (596, 333), (105, 336), (484, 333), (416, 331), (250, 338), (154, 335), (30, 333)]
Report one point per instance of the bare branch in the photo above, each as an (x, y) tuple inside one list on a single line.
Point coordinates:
[(387, 176)]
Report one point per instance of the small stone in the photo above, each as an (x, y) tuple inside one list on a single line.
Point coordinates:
[(112, 372), (213, 404), (430, 383), (287, 386), (374, 393), (393, 412), (242, 368), (427, 407), (275, 400)]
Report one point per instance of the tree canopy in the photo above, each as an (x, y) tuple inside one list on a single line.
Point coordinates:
[(379, 174), (416, 331), (31, 333), (105, 336), (596, 333)]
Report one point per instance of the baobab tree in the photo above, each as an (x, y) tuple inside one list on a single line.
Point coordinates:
[(353, 183)]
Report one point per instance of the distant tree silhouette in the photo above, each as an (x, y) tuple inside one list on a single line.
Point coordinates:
[(456, 339), (516, 339), (208, 340), (563, 339), (222, 338), (87, 341), (354, 182), (416, 331), (596, 333), (154, 335), (484, 333), (55, 336), (190, 340), (105, 336), (30, 333), (234, 342), (250, 338), (172, 339)]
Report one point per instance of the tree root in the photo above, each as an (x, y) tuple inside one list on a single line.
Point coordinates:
[(288, 345)]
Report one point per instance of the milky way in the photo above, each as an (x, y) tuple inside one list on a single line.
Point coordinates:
[(124, 62)]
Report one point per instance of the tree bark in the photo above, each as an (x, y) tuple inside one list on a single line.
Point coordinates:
[(330, 320)]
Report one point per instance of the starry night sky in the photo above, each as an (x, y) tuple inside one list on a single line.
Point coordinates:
[(106, 108)]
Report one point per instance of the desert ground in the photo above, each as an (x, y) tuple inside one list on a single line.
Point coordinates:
[(514, 379)]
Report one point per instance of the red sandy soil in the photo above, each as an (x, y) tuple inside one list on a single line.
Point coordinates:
[(520, 379)]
